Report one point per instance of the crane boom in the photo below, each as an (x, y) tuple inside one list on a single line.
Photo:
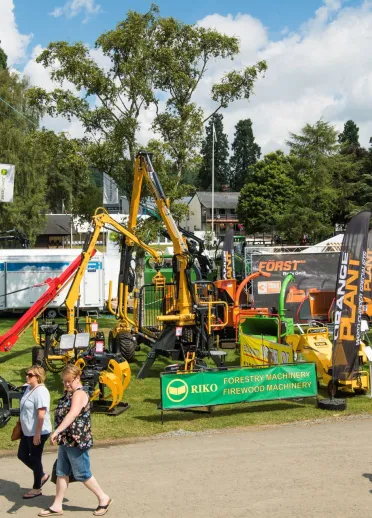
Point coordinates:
[(99, 220)]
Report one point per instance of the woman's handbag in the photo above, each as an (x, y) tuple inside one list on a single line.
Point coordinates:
[(53, 478), (17, 431)]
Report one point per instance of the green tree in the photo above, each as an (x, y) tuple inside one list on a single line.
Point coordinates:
[(221, 156), (350, 135), (362, 190), (182, 54), (18, 146), (149, 58), (266, 194), (109, 101), (3, 60), (68, 174), (314, 142), (245, 153), (316, 192)]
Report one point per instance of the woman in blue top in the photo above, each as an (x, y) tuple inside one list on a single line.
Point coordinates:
[(36, 427), (73, 434)]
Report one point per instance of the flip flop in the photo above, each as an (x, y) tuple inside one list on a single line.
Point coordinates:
[(31, 495), (50, 512), (45, 481), (102, 509)]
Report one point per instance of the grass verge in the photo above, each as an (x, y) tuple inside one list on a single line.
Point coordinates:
[(143, 396)]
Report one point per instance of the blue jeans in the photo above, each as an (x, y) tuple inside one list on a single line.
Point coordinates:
[(73, 461)]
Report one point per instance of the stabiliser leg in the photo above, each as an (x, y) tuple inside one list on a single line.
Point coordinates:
[(164, 345), (147, 364)]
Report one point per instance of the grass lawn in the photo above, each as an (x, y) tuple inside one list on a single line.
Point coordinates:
[(143, 418)]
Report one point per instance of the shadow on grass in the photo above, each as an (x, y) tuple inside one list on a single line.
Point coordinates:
[(15, 354), (13, 492), (219, 411), (153, 401)]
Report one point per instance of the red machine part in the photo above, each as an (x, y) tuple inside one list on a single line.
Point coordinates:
[(8, 339)]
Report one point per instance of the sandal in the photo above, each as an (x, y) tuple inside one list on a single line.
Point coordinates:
[(29, 495), (45, 481), (50, 512), (102, 509)]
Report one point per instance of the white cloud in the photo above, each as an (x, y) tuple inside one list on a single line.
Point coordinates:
[(324, 70), (13, 42), (74, 7)]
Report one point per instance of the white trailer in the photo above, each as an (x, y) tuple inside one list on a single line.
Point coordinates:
[(20, 269)]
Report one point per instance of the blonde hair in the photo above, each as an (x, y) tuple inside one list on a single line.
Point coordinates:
[(71, 370), (39, 372)]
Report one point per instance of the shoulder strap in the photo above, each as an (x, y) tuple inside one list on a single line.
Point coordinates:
[(29, 394)]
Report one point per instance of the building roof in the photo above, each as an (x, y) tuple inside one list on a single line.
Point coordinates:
[(57, 225), (222, 200)]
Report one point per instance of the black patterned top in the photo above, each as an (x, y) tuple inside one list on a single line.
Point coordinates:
[(79, 433)]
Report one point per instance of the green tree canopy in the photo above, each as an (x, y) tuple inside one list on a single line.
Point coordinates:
[(314, 141), (350, 135), (149, 58), (245, 153), (3, 60), (316, 192), (18, 146), (266, 194)]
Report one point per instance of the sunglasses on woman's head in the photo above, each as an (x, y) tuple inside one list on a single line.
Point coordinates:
[(30, 375)]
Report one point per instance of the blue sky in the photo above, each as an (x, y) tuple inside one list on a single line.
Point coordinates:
[(33, 15)]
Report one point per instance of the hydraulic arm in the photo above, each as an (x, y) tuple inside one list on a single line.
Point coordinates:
[(187, 321), (99, 220), (143, 169)]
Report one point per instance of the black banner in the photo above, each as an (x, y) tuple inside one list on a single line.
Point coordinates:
[(367, 295), (349, 298), (313, 272), (228, 268)]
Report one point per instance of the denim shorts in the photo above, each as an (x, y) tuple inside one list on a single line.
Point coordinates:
[(73, 461)]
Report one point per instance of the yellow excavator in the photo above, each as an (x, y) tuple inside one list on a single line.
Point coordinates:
[(183, 325)]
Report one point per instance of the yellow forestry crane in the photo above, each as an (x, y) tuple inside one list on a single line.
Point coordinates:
[(120, 337), (189, 318)]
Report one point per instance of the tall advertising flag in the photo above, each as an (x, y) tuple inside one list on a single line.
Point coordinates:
[(110, 190), (350, 285), (367, 295), (7, 172), (228, 266)]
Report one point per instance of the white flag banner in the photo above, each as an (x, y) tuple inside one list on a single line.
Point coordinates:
[(110, 190), (7, 173)]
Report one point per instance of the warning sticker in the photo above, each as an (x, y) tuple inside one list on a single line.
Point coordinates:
[(267, 287)]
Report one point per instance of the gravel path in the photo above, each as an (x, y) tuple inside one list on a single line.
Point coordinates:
[(312, 469)]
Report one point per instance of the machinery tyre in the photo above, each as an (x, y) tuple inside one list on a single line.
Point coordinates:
[(332, 404), (51, 313), (112, 343), (37, 355), (127, 346)]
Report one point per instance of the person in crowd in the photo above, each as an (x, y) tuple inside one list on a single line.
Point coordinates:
[(36, 427), (73, 435)]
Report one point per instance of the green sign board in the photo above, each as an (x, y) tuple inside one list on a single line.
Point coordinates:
[(242, 385)]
